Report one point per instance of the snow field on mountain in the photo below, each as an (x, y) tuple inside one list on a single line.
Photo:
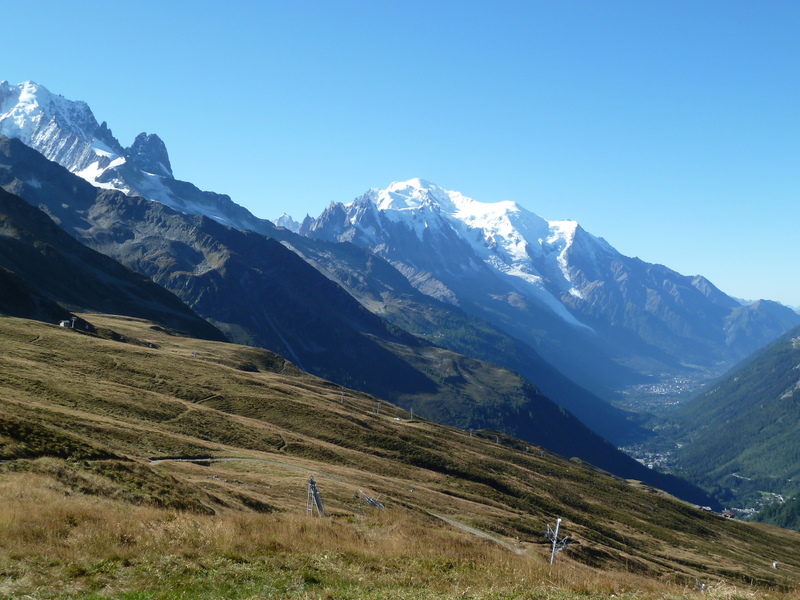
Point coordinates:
[(510, 239)]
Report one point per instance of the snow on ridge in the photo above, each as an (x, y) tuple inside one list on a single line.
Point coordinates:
[(529, 251), (415, 183), (29, 107), (101, 149), (20, 113), (561, 238), (413, 194), (499, 231)]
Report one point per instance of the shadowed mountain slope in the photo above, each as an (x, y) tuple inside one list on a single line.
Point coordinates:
[(47, 274), (381, 288), (259, 292)]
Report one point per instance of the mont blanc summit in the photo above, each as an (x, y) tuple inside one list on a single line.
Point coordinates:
[(424, 228)]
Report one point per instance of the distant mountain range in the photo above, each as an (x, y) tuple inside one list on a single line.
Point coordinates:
[(603, 318), (256, 290), (473, 314)]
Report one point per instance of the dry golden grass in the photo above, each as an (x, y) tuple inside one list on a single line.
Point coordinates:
[(56, 544), (85, 513)]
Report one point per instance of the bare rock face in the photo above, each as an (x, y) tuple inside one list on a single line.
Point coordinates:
[(149, 153)]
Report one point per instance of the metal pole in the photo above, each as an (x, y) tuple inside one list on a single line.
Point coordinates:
[(314, 499), (555, 541)]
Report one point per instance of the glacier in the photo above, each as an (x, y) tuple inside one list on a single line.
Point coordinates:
[(527, 250)]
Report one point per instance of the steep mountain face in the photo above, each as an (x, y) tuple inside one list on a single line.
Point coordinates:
[(566, 292), (46, 273), (382, 289), (258, 291), (740, 439), (66, 132)]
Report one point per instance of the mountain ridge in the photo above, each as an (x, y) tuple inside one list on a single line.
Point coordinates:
[(606, 321), (258, 291), (513, 268), (51, 276), (68, 133)]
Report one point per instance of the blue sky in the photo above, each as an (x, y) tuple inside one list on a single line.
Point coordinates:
[(670, 128)]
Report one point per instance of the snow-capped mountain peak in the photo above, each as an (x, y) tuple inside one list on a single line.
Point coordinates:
[(287, 222), (66, 132), (457, 234), (413, 194), (500, 229), (26, 107), (529, 275), (416, 183)]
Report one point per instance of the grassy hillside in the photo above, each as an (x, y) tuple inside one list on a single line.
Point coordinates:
[(142, 464), (741, 438)]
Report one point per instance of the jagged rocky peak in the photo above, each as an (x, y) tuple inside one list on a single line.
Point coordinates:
[(105, 135), (287, 222), (149, 153), (330, 225), (712, 292)]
